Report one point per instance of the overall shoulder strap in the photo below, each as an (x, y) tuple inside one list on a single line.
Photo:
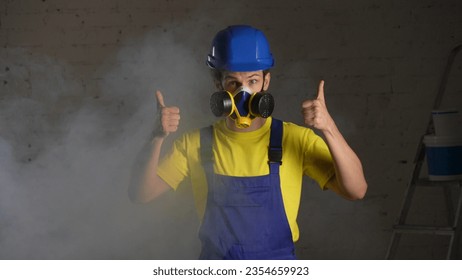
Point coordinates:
[(206, 140), (275, 146)]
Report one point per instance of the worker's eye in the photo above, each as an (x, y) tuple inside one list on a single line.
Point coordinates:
[(232, 85)]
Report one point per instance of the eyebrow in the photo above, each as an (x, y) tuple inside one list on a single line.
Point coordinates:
[(248, 77), (253, 75)]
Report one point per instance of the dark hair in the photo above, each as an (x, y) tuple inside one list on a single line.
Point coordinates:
[(217, 76)]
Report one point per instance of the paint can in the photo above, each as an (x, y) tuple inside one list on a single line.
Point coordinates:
[(444, 157), (447, 122)]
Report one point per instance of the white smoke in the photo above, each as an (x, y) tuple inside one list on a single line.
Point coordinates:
[(66, 154)]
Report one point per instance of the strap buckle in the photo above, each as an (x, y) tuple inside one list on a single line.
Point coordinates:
[(275, 155)]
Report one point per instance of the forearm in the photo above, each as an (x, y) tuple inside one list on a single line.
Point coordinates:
[(349, 177), (145, 184), (348, 168)]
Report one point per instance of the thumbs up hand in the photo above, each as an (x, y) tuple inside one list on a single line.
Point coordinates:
[(168, 118), (315, 114)]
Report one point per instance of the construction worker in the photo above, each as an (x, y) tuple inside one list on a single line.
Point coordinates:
[(246, 170)]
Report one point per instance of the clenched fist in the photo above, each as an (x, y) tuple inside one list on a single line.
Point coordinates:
[(168, 118), (315, 114)]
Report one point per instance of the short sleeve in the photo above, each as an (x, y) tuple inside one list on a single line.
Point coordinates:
[(318, 163), (173, 167)]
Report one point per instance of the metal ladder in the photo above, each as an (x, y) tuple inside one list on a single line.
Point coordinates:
[(453, 229)]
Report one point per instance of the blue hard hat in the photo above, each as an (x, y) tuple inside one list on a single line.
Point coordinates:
[(240, 48)]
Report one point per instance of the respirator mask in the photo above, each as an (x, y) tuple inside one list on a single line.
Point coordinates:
[(242, 105)]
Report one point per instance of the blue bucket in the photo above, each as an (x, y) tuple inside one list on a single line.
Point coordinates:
[(444, 157)]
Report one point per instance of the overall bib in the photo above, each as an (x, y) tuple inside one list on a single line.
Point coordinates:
[(244, 217)]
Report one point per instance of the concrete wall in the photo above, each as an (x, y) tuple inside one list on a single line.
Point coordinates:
[(77, 83)]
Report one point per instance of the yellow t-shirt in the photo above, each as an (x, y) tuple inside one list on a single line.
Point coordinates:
[(244, 154)]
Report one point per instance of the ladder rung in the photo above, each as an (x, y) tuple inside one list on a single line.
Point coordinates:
[(421, 229), (425, 182)]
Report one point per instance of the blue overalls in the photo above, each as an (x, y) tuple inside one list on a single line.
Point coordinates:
[(245, 217)]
